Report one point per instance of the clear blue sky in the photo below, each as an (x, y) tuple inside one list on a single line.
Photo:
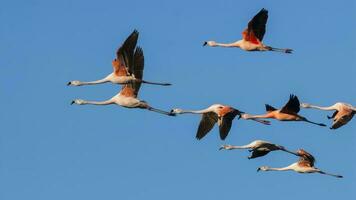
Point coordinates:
[(51, 150)]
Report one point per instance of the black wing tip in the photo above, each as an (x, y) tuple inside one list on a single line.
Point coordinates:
[(269, 107), (293, 96), (135, 31), (223, 137), (139, 49)]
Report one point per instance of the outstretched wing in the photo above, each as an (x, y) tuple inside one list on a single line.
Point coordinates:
[(126, 51), (138, 66), (226, 123), (256, 27), (270, 108), (207, 122), (128, 90), (292, 106), (258, 153), (305, 158)]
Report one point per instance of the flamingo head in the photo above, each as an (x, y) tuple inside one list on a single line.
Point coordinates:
[(176, 111), (226, 147), (210, 43), (78, 102), (74, 83), (263, 168)]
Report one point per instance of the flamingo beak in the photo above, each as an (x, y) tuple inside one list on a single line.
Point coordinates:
[(205, 43), (69, 83), (258, 169), (72, 103)]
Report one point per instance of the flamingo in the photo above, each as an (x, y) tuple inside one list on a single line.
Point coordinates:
[(258, 148), (343, 113), (121, 74), (127, 97), (305, 164), (216, 113), (252, 36), (289, 112)]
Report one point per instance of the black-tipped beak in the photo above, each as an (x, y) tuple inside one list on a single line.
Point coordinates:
[(221, 148), (69, 83), (205, 43), (258, 169), (72, 103)]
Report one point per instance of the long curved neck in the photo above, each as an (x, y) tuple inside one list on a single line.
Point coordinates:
[(280, 169), (241, 147), (322, 108), (104, 80), (107, 102), (234, 44), (196, 111), (247, 116)]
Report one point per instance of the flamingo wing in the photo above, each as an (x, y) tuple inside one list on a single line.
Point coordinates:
[(258, 153), (128, 90), (226, 123), (207, 122), (256, 28), (125, 53), (131, 89), (138, 66), (270, 108), (305, 158), (292, 106)]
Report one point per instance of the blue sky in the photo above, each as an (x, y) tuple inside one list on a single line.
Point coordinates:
[(51, 150)]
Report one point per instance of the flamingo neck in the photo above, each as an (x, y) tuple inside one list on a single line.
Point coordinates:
[(196, 111), (279, 169), (323, 108), (104, 80), (107, 102), (234, 44), (247, 116), (241, 147)]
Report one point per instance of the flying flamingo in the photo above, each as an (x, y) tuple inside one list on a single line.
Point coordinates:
[(121, 74), (216, 113), (252, 36), (343, 113), (289, 112), (305, 164), (258, 148), (127, 97)]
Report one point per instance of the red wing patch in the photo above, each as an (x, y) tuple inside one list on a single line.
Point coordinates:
[(119, 68), (304, 164), (128, 91), (250, 36), (225, 110)]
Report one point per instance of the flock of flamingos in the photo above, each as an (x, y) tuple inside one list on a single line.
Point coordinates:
[(128, 72)]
